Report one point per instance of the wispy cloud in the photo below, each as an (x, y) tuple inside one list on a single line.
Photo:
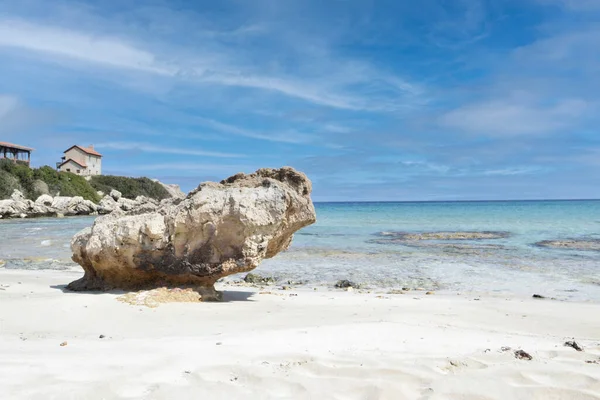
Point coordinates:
[(207, 66), (111, 52), (150, 148), (515, 117)]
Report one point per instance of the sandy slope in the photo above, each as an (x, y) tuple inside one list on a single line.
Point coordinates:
[(316, 345)]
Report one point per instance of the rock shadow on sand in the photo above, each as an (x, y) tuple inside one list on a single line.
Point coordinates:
[(163, 295)]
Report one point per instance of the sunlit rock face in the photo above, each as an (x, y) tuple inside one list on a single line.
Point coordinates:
[(219, 229)]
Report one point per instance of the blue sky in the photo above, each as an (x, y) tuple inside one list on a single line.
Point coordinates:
[(373, 99)]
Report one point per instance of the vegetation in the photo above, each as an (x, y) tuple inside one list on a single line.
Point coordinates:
[(130, 187), (32, 183)]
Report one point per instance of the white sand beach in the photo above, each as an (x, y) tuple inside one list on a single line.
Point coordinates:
[(294, 344)]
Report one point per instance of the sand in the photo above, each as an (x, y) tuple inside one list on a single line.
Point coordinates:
[(294, 344)]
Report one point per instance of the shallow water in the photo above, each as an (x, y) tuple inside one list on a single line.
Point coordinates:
[(346, 243)]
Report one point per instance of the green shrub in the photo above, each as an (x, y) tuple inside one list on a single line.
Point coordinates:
[(8, 184), (130, 188), (21, 177), (22, 173)]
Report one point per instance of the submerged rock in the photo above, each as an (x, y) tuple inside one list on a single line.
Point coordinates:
[(219, 229), (571, 244), (458, 235), (345, 284), (256, 279)]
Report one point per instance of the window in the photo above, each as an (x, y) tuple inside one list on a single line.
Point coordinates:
[(68, 169), (78, 171)]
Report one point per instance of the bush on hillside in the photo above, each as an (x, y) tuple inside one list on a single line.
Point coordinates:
[(130, 188), (22, 173), (21, 177), (66, 183), (8, 184)]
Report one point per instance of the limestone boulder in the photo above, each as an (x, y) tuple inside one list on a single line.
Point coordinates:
[(44, 200), (73, 205), (219, 229), (173, 190), (115, 194), (107, 205)]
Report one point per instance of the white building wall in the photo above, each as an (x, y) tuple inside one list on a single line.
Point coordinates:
[(73, 168), (94, 163)]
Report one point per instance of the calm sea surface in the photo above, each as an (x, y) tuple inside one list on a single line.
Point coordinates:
[(346, 243)]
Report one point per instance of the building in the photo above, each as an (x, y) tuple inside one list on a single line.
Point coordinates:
[(15, 153), (81, 161)]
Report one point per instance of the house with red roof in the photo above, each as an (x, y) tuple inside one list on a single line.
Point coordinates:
[(81, 160)]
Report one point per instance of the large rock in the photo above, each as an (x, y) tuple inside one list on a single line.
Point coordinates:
[(217, 230), (44, 200), (115, 194), (73, 206), (173, 190)]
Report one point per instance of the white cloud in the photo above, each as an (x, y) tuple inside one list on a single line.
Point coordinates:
[(108, 51), (515, 117), (289, 137), (512, 171), (150, 148), (580, 5), (7, 105), (212, 62), (195, 167)]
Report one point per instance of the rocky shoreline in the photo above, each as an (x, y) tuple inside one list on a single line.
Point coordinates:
[(61, 206)]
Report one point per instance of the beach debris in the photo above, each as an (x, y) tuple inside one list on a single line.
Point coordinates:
[(574, 345), (429, 293), (219, 229), (538, 296), (592, 361), (63, 344), (395, 291), (523, 355), (345, 284), (256, 279), (505, 349)]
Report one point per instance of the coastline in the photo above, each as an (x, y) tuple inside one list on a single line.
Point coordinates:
[(300, 343)]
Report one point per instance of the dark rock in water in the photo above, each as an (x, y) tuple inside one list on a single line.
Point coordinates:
[(571, 244), (256, 279), (574, 345), (523, 355), (458, 235), (538, 296), (437, 239), (344, 284)]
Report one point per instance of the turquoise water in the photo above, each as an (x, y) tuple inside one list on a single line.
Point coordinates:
[(344, 244)]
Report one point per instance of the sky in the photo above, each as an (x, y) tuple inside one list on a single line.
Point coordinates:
[(375, 100)]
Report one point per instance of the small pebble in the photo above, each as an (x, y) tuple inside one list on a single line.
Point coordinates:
[(523, 355), (101, 336), (429, 293), (219, 343), (63, 344)]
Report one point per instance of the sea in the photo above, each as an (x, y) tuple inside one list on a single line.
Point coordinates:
[(373, 244)]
